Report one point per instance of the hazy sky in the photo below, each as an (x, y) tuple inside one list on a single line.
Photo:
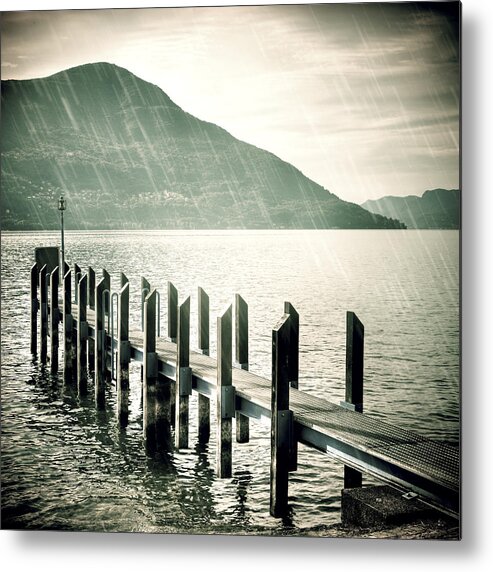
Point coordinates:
[(363, 98)]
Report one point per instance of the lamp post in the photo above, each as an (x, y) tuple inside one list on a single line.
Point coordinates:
[(61, 207)]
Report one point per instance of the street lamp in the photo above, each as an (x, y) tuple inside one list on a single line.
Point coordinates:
[(61, 207)]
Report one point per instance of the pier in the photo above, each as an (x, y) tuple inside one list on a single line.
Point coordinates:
[(91, 312)]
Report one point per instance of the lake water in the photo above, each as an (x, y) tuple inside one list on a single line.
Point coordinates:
[(67, 466)]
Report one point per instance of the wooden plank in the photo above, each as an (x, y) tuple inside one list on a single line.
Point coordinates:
[(34, 308), (225, 398), (241, 354), (43, 317), (204, 403), (150, 372), (54, 319), (355, 333), (281, 419), (183, 376), (82, 335), (69, 342), (123, 356), (100, 347), (172, 312)]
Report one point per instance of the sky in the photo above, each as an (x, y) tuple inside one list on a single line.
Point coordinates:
[(362, 98)]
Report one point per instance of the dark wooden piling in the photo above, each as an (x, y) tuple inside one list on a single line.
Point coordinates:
[(77, 277), (107, 315), (293, 368), (123, 355), (34, 309), (54, 319), (241, 355), (43, 316), (91, 296), (82, 329), (282, 419), (183, 375), (69, 342), (100, 347), (355, 333), (145, 289), (204, 403), (225, 397), (150, 371), (172, 312)]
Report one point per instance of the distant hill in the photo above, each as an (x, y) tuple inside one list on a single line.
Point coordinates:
[(126, 156), (438, 208)]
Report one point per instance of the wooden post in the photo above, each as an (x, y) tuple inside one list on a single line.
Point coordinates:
[(54, 319), (172, 312), (82, 336), (204, 403), (91, 296), (107, 311), (34, 308), (183, 375), (100, 347), (145, 289), (123, 280), (282, 419), (43, 321), (355, 333), (69, 344), (77, 277), (241, 354), (293, 368), (150, 372), (122, 373), (225, 394)]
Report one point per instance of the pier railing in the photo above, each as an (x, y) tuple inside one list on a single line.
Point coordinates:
[(97, 340)]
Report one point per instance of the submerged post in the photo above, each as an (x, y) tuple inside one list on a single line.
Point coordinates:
[(204, 403), (82, 336), (150, 371), (43, 321), (355, 333), (183, 375), (225, 394), (122, 374), (91, 295), (69, 344), (172, 312), (54, 319), (100, 347), (241, 351), (282, 419), (34, 308)]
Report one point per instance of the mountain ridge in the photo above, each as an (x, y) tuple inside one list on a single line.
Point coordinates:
[(125, 155), (434, 209)]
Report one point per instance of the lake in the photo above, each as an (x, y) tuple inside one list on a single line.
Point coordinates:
[(67, 466)]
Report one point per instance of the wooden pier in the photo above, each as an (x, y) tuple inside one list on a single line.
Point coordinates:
[(96, 337)]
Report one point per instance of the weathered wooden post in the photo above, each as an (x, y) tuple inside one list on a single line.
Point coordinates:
[(145, 288), (123, 280), (150, 372), (241, 351), (100, 347), (122, 373), (69, 344), (54, 319), (34, 309), (107, 313), (204, 403), (91, 295), (355, 333), (82, 335), (77, 277), (172, 312), (43, 318), (282, 419), (225, 394), (183, 375), (293, 368)]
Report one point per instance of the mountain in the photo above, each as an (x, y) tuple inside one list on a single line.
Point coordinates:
[(127, 157), (438, 208)]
